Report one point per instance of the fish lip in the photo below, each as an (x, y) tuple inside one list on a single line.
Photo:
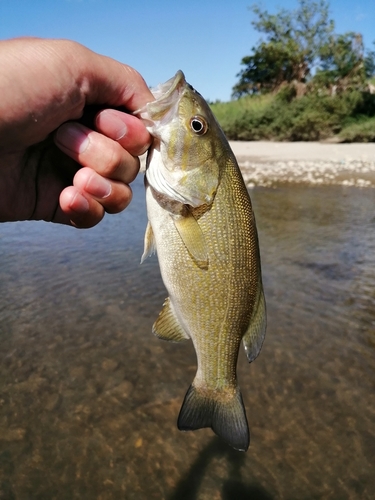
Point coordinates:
[(165, 90), (165, 97)]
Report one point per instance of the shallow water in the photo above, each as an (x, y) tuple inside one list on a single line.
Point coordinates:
[(89, 398)]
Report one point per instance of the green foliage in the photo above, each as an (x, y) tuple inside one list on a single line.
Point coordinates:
[(269, 66), (342, 62), (369, 63), (300, 46), (311, 117), (302, 81), (362, 130), (286, 93), (294, 41)]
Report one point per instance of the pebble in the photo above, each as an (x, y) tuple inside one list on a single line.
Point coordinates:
[(9, 435), (345, 173)]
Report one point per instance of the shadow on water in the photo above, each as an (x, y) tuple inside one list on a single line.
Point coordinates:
[(233, 487)]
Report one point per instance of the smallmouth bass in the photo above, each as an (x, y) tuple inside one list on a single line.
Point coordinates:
[(201, 224)]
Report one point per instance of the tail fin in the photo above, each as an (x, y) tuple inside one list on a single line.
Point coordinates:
[(226, 418)]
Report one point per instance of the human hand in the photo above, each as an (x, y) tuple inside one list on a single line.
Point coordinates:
[(51, 167)]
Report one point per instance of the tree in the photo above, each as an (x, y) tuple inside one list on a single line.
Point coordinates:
[(293, 44), (341, 63), (267, 68), (369, 62)]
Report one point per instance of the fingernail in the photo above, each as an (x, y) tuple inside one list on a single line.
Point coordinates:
[(79, 204), (98, 186), (72, 137), (114, 126)]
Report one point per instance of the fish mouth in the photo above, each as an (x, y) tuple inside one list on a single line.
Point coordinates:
[(164, 91), (166, 100)]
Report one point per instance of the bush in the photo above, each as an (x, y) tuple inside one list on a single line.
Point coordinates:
[(285, 118), (362, 131)]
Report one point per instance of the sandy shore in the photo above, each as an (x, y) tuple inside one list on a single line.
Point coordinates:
[(267, 163)]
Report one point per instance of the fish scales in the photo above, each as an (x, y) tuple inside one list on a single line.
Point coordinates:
[(209, 260)]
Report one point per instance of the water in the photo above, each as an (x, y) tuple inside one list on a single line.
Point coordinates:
[(89, 398)]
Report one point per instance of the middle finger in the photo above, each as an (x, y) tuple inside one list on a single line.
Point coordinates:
[(94, 150)]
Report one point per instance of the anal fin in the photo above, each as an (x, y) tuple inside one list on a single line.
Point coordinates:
[(167, 326)]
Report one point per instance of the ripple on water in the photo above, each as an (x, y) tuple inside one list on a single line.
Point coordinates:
[(89, 398)]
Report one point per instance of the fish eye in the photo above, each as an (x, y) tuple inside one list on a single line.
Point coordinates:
[(198, 125)]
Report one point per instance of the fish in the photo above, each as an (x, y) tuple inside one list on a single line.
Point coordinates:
[(202, 226)]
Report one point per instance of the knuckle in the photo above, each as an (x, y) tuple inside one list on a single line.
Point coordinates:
[(113, 162), (121, 199)]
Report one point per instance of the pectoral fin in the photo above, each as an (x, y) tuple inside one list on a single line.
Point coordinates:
[(149, 244), (254, 336), (192, 236), (167, 326)]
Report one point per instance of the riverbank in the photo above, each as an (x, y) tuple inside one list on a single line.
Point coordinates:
[(347, 117), (267, 163)]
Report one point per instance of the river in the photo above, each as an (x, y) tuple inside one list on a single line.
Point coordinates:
[(89, 398)]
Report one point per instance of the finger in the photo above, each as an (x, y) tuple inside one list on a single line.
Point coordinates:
[(114, 196), (83, 205), (78, 210), (126, 129), (94, 150)]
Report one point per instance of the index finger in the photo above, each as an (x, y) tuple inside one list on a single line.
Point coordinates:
[(127, 130)]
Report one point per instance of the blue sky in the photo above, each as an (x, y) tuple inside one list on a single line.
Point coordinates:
[(205, 38)]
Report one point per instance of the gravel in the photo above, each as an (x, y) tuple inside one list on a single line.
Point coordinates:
[(269, 163)]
